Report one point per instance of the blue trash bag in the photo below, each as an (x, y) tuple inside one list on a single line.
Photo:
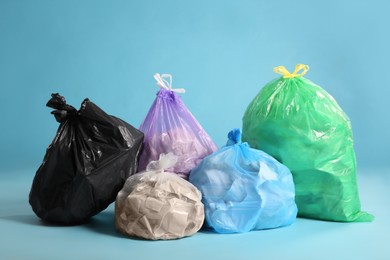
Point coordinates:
[(244, 189)]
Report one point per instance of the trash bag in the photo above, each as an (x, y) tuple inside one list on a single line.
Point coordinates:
[(86, 165), (158, 205), (303, 127), (170, 127), (244, 189)]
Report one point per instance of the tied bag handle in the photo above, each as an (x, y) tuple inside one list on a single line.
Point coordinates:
[(62, 110), (162, 82), (234, 137), (164, 162), (286, 74)]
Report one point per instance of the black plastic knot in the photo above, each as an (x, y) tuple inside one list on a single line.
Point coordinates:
[(62, 111)]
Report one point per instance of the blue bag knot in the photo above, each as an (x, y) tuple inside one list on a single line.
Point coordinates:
[(234, 137)]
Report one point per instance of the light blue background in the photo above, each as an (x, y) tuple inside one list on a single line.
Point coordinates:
[(222, 53)]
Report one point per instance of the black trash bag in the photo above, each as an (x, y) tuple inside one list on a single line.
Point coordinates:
[(86, 165)]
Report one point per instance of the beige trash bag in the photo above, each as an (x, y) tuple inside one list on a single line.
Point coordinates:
[(158, 205)]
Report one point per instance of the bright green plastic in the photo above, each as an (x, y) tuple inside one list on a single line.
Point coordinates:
[(303, 127)]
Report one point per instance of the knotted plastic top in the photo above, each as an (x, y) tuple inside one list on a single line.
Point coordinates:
[(234, 137), (62, 111), (164, 162), (162, 82), (286, 74)]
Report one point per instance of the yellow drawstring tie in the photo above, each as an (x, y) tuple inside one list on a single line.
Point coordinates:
[(286, 74)]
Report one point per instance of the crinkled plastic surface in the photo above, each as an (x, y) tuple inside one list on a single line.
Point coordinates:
[(302, 126), (170, 127), (244, 189), (86, 165), (158, 205)]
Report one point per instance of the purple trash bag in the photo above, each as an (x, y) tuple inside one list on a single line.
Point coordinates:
[(170, 127)]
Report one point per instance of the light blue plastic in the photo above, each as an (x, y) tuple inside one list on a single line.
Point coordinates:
[(244, 189)]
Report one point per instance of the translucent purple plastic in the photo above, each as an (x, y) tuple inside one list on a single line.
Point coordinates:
[(170, 127)]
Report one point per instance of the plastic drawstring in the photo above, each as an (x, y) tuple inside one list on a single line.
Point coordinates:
[(162, 82), (286, 74)]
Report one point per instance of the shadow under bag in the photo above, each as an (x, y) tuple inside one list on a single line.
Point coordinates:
[(86, 164)]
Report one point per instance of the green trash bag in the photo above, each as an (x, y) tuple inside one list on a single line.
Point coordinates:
[(303, 127)]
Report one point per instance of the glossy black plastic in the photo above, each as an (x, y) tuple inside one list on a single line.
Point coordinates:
[(86, 164)]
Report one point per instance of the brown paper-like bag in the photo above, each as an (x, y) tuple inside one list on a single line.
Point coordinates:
[(159, 205)]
